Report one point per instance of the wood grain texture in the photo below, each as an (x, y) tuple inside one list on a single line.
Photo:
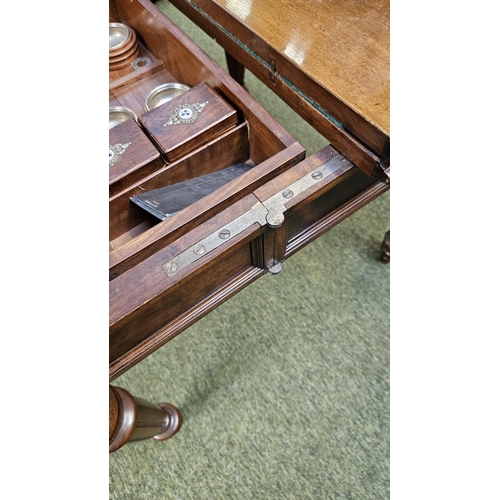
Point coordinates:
[(150, 241), (149, 307), (178, 139), (114, 413), (144, 348), (327, 200), (341, 44), (317, 226), (114, 16), (135, 93), (124, 72), (190, 65), (329, 60), (126, 77), (135, 419)]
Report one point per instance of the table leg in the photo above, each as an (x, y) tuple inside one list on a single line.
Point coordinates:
[(236, 69), (385, 258), (135, 419)]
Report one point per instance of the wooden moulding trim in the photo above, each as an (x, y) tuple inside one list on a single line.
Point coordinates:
[(326, 223), (147, 282), (164, 335)]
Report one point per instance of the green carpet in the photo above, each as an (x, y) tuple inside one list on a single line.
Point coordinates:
[(284, 389)]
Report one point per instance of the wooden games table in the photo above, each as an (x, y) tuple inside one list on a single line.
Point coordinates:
[(329, 61)]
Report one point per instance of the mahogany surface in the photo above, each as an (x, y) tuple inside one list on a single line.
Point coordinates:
[(328, 60), (139, 159), (342, 45)]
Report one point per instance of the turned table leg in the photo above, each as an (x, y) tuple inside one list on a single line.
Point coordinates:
[(135, 419), (236, 69), (386, 249)]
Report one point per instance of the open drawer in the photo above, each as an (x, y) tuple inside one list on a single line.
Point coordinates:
[(166, 274), (165, 293), (254, 138)]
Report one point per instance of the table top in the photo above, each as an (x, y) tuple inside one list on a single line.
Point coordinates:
[(343, 45), (329, 60)]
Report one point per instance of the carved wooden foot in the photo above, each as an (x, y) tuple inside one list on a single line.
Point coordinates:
[(385, 258), (135, 419), (236, 69)]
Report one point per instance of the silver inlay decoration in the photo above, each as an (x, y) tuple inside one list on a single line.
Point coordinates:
[(186, 113), (115, 151)]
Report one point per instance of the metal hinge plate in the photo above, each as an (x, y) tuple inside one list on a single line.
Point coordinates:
[(276, 204), (256, 214), (270, 211)]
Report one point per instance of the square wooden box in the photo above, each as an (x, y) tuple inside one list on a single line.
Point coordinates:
[(188, 121)]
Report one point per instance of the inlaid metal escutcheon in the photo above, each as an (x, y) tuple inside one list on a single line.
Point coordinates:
[(186, 113), (115, 152)]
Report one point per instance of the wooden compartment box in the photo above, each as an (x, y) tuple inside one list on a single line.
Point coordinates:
[(132, 156), (255, 137), (188, 121), (164, 275)]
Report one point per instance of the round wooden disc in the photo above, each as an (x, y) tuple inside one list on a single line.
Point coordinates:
[(126, 62), (126, 47), (126, 55)]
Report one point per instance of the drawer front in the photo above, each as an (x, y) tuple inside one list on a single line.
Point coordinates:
[(161, 296), (164, 294)]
